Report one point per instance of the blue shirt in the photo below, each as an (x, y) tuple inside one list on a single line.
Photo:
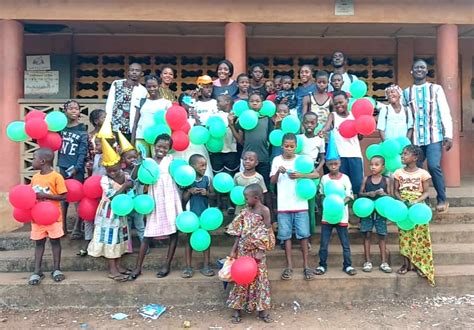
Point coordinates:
[(198, 203)]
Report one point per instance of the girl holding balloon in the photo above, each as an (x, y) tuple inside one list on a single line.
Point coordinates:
[(253, 237)]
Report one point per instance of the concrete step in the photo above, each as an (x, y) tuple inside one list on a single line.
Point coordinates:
[(94, 289), (23, 260)]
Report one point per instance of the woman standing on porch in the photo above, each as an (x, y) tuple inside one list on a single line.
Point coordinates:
[(167, 78), (224, 84)]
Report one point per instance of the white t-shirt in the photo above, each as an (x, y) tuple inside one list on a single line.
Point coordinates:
[(312, 147), (347, 81), (287, 200), (205, 110), (346, 182), (394, 124), (147, 111), (345, 147)]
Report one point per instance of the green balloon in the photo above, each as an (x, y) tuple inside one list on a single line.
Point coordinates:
[(397, 211), (149, 171), (215, 145), (187, 222), (304, 164), (56, 121), (406, 224), (333, 187), (373, 150), (16, 131), (291, 124), (363, 207), (185, 175), (390, 148), (237, 195), (299, 144), (358, 89), (403, 141), (318, 128), (122, 205), (420, 214), (305, 188), (175, 164), (223, 182), (160, 117), (350, 103), (239, 107), (143, 204), (151, 132), (248, 120), (211, 218), (217, 127), (333, 218), (200, 240), (382, 204), (393, 164), (276, 137), (268, 109), (199, 135)]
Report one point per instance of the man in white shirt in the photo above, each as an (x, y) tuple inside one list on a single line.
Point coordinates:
[(338, 62), (124, 96)]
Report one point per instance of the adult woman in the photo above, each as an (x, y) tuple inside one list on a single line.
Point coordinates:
[(224, 84), (257, 83), (166, 77), (394, 120)]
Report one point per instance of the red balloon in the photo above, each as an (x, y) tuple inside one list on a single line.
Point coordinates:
[(362, 107), (92, 187), (186, 127), (36, 128), (348, 129), (45, 213), (22, 216), (87, 209), (22, 197), (244, 270), (35, 114), (365, 125), (176, 117), (52, 140), (75, 191), (180, 140)]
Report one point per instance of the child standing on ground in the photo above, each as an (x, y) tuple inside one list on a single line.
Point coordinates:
[(373, 187), (243, 82), (49, 186), (253, 237), (292, 210), (411, 186), (287, 95), (198, 197), (341, 228), (161, 223)]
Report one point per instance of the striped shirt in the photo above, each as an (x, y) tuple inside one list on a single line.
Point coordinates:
[(431, 115)]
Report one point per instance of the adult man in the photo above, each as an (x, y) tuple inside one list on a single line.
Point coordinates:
[(433, 125), (338, 62), (124, 97)]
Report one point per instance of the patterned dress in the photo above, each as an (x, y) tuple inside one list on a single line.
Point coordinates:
[(254, 236), (415, 244), (121, 109), (111, 235)]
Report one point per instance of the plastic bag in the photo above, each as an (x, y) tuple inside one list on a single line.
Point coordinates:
[(224, 273)]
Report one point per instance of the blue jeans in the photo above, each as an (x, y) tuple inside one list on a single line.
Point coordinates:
[(343, 233), (432, 153)]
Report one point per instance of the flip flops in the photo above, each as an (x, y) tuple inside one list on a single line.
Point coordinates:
[(57, 276), (35, 279)]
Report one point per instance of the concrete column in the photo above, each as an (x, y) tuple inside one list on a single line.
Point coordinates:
[(11, 89), (236, 47), (447, 59), (405, 55)]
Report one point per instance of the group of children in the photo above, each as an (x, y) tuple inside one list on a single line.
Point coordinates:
[(254, 164)]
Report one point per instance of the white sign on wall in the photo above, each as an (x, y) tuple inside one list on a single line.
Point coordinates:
[(38, 63), (344, 8), (41, 82)]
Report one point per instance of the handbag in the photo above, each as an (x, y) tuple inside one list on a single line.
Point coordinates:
[(224, 272)]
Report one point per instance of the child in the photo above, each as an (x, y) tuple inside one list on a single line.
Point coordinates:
[(281, 113), (161, 223), (411, 186), (270, 88), (319, 102), (341, 228), (249, 175), (96, 118), (257, 82), (145, 111), (292, 210), (287, 95), (373, 186), (205, 106), (72, 155), (395, 119), (198, 197), (243, 82), (49, 186), (111, 233), (349, 148), (277, 82), (337, 81), (307, 86), (253, 237)]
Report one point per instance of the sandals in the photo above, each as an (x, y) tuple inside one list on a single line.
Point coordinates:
[(57, 276), (187, 272), (119, 278), (308, 274), (385, 267), (207, 271), (163, 273), (320, 270), (35, 279), (403, 270), (420, 273), (133, 276), (236, 318), (82, 253), (367, 267), (350, 271), (287, 274), (127, 272), (264, 317), (442, 208)]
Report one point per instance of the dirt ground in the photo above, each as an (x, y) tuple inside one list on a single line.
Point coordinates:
[(439, 312)]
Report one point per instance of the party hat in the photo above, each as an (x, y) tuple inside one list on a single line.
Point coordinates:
[(106, 129), (331, 152), (109, 156), (123, 143)]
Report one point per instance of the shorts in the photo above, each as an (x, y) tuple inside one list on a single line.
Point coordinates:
[(228, 162), (38, 232), (299, 221), (375, 220)]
